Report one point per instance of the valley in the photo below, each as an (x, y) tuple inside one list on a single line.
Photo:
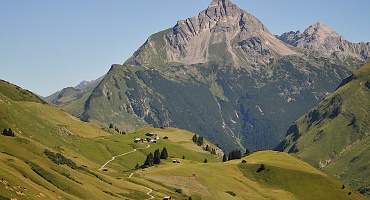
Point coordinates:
[(215, 107)]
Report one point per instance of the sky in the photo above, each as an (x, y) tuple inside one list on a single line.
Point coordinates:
[(47, 45)]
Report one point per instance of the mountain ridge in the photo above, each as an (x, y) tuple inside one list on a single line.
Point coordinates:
[(326, 41)]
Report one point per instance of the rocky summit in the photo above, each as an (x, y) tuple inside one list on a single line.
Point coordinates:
[(327, 42), (192, 40), (221, 74)]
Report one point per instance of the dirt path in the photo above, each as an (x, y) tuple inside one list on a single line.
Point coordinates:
[(149, 193), (114, 157)]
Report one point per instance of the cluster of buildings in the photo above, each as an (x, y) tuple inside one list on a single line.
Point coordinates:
[(152, 138)]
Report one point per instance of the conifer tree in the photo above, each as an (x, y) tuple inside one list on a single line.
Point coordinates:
[(205, 160), (164, 153), (195, 138), (200, 141), (137, 166), (5, 132), (247, 152), (224, 158), (157, 157), (149, 160)]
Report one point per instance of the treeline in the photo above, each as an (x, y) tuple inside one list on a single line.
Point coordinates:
[(8, 132), (111, 126), (235, 154), (198, 140), (154, 159), (59, 159)]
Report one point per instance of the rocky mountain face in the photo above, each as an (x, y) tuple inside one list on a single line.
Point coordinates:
[(222, 30), (334, 135), (327, 42), (221, 74), (82, 84)]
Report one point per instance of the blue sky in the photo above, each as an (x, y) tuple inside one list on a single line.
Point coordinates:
[(46, 45)]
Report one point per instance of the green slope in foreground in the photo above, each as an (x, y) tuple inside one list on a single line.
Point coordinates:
[(27, 173), (334, 136)]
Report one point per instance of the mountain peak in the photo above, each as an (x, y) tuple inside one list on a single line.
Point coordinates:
[(223, 25), (319, 29), (327, 42), (223, 4), (216, 3), (82, 84)]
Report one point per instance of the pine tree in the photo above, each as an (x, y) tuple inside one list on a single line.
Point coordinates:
[(205, 160), (207, 148), (149, 160), (5, 132), (200, 141), (195, 138), (231, 155), (164, 153), (137, 166), (157, 157), (247, 152), (224, 158), (238, 154)]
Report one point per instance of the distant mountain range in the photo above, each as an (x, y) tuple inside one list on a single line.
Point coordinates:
[(224, 75), (71, 99)]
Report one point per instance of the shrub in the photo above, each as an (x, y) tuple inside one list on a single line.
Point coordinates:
[(262, 167), (231, 193)]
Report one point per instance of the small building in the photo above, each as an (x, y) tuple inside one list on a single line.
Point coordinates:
[(149, 134), (156, 137), (139, 140)]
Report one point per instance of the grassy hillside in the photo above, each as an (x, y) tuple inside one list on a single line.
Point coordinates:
[(334, 135), (16, 93), (282, 179), (55, 156)]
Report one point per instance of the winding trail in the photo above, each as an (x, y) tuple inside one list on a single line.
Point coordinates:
[(149, 193), (114, 157)]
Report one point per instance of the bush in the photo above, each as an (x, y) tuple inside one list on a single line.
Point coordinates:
[(231, 193), (179, 191), (262, 167), (8, 132)]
